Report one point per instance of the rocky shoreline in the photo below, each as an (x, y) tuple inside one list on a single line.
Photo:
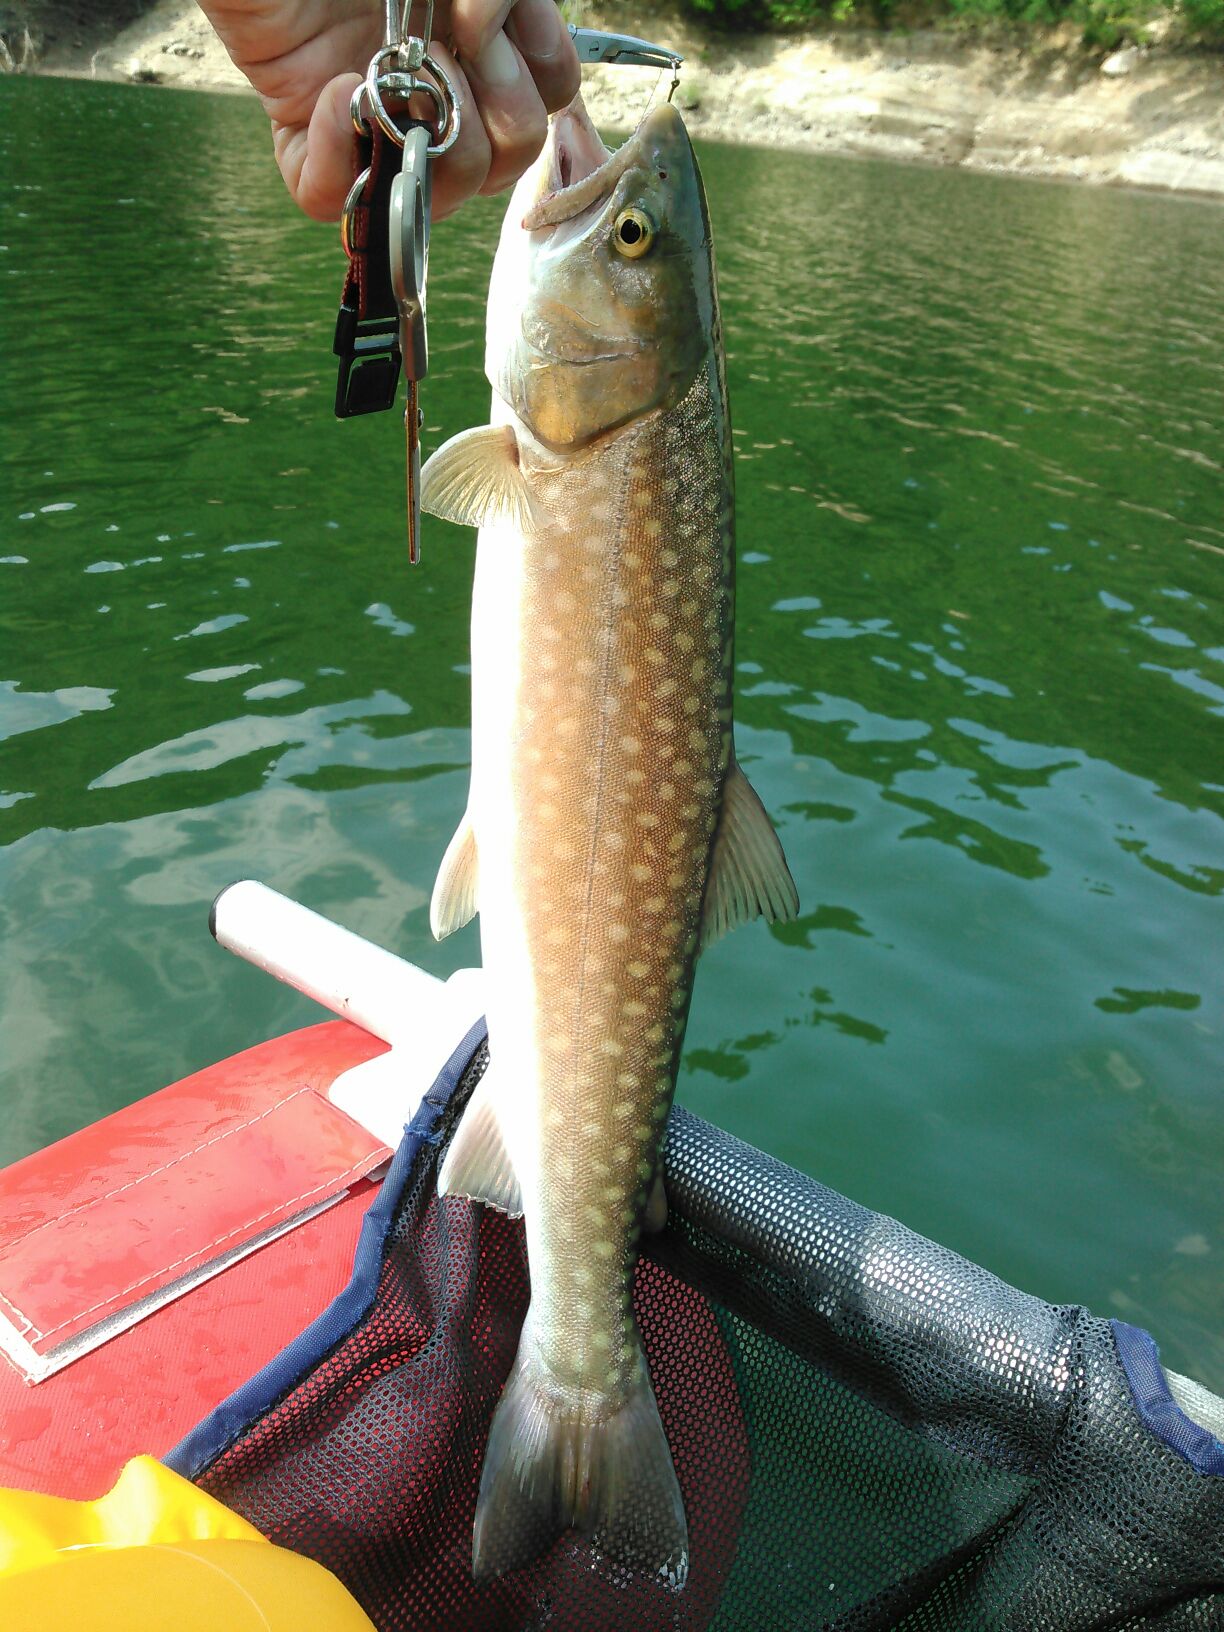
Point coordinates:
[(1146, 116)]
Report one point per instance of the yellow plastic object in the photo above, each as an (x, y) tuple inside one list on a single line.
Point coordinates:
[(157, 1555)]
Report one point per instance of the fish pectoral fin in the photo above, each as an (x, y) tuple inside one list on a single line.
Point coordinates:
[(454, 891), (477, 1163), (475, 477), (748, 873)]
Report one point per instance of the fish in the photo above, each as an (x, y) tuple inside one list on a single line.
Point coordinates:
[(610, 833)]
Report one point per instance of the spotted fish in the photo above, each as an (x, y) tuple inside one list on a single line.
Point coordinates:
[(609, 833)]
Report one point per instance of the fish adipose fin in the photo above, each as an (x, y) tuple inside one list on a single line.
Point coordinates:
[(477, 1163), (548, 1466), (454, 891), (475, 478), (748, 873)]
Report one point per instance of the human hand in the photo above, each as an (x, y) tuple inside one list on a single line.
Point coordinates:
[(512, 63)]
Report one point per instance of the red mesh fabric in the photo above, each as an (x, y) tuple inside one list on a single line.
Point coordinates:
[(371, 1464)]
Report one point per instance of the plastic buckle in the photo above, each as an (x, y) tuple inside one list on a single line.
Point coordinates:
[(369, 354)]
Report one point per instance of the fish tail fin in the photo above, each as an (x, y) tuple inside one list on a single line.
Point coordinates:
[(553, 1460)]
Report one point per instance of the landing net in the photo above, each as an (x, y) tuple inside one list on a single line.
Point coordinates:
[(869, 1431)]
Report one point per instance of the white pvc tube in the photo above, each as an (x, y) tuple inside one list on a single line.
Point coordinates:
[(350, 976)]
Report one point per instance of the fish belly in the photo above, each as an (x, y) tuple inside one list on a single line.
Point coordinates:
[(602, 730)]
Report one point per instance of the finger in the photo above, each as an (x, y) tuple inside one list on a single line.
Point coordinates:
[(461, 171), (537, 28), (473, 23), (510, 108), (317, 160)]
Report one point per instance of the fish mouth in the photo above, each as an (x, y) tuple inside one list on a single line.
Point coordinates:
[(577, 170)]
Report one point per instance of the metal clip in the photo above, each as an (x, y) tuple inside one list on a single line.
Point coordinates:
[(401, 67), (408, 244)]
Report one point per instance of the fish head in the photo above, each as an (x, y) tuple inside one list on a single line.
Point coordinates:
[(602, 303)]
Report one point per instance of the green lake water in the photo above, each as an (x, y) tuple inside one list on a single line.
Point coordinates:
[(980, 427)]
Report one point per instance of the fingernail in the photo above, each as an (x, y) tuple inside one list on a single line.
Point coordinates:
[(497, 64), (537, 29)]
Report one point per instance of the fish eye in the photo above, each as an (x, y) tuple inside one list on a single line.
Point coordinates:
[(633, 233)]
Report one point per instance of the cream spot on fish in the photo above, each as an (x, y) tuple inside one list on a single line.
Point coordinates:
[(566, 727), (643, 1169), (627, 673), (654, 1034), (546, 812), (668, 558), (665, 688), (642, 498), (640, 871), (691, 704), (659, 1112), (613, 839), (700, 668), (687, 608), (631, 745), (633, 1007), (664, 723), (584, 665), (603, 1249), (620, 1153), (669, 587), (550, 632), (697, 739), (615, 898), (673, 926), (581, 1275), (620, 595), (612, 1046), (623, 1109), (601, 1341), (618, 932), (633, 776), (666, 790), (632, 561), (654, 903), (556, 935), (592, 1130), (646, 818), (558, 1044), (659, 620), (554, 1119), (682, 767), (637, 968), (653, 529), (654, 656), (679, 839)]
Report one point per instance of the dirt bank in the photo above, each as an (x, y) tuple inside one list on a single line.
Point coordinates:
[(1151, 116)]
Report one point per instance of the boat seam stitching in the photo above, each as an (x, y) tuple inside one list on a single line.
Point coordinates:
[(198, 1252), (153, 1173)]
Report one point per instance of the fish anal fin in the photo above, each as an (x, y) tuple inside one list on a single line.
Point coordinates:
[(749, 877), (454, 891), (477, 1163), (475, 478)]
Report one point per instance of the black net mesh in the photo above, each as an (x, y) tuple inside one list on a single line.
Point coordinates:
[(869, 1432)]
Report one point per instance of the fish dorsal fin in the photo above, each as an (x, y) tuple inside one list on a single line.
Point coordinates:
[(477, 1163), (475, 478), (454, 892), (748, 873)]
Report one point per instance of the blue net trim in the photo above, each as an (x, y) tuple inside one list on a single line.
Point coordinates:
[(209, 1438), (1156, 1406)]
